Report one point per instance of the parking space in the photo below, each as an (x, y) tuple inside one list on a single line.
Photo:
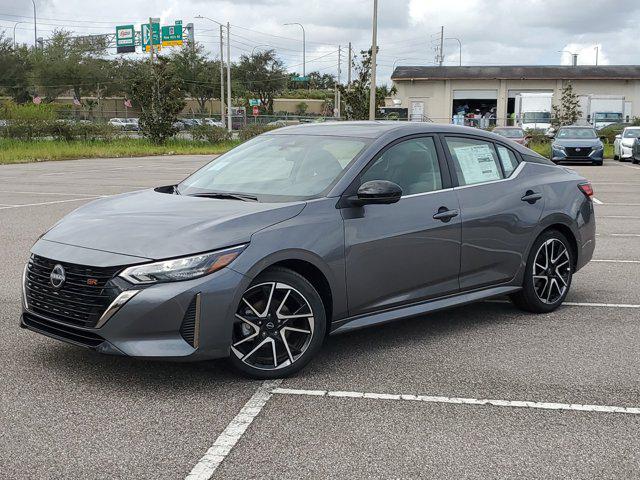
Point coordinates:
[(67, 412)]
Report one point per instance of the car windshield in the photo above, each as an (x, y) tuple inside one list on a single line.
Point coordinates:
[(510, 132), (631, 133), (576, 133), (277, 167), (608, 116), (536, 117)]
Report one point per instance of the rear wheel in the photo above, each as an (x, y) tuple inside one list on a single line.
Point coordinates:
[(548, 274), (279, 325)]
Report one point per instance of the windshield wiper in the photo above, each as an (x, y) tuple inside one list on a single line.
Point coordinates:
[(232, 196)]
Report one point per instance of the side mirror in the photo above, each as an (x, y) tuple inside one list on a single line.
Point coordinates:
[(528, 137), (378, 192), (618, 136)]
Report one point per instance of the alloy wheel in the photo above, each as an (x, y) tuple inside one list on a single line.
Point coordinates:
[(274, 326), (551, 271)]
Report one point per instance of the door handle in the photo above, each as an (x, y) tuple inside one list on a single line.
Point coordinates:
[(445, 214), (531, 197)]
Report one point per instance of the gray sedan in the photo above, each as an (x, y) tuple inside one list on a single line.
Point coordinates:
[(306, 231), (577, 144)]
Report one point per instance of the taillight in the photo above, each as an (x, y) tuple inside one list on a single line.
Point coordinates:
[(586, 188)]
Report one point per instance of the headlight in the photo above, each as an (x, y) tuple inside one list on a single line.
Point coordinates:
[(598, 147), (558, 147), (186, 268)]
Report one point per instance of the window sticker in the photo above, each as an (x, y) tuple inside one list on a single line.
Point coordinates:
[(477, 163)]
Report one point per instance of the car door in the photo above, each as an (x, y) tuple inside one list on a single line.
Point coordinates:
[(500, 206), (399, 253)]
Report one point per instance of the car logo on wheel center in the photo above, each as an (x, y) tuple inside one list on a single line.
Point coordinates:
[(57, 276)]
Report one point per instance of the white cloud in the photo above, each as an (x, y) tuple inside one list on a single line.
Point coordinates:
[(586, 54)]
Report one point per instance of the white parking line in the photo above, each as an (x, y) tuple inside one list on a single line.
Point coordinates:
[(622, 204), (580, 304), (615, 261), (618, 216), (52, 203), (596, 201), (578, 407), (617, 234), (52, 194), (211, 460)]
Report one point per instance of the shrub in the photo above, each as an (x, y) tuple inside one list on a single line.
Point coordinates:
[(210, 133), (28, 112), (254, 130), (58, 129), (301, 108)]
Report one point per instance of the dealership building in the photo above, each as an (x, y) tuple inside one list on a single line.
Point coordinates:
[(439, 93)]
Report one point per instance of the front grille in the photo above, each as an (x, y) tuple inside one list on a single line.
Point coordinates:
[(578, 151), (63, 332), (82, 298), (189, 326)]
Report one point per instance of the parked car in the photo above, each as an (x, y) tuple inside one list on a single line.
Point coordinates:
[(118, 123), (577, 144), (191, 122), (515, 134), (623, 143), (178, 125), (635, 151), (310, 230), (132, 124), (212, 123)]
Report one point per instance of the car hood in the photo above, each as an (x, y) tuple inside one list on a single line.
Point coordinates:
[(155, 225), (573, 142)]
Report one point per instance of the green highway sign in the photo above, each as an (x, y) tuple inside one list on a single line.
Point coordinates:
[(155, 35), (300, 79), (172, 34), (255, 102), (125, 39)]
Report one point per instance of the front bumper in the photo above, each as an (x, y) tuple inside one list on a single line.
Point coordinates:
[(558, 155), (152, 323), (626, 152)]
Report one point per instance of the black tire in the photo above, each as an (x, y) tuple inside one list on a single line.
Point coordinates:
[(303, 291), (634, 161), (598, 164), (616, 157), (528, 298)]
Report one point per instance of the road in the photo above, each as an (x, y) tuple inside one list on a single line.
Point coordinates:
[(404, 400)]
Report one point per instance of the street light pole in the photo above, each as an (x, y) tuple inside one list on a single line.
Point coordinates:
[(35, 26), (14, 34), (304, 48), (229, 121), (374, 48), (459, 46), (222, 120)]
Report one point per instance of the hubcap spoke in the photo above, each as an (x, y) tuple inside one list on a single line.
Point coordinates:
[(551, 271)]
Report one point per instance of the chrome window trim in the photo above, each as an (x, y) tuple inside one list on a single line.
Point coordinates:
[(450, 189), (513, 176)]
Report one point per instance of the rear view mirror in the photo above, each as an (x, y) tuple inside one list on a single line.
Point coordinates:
[(377, 192)]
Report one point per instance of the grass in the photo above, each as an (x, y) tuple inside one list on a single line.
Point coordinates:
[(17, 151)]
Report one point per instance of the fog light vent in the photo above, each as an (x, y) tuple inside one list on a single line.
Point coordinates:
[(190, 328)]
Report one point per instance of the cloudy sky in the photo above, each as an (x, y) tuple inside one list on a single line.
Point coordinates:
[(492, 32)]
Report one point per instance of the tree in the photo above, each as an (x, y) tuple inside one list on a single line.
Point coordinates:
[(568, 112), (15, 71), (69, 63), (201, 77), (159, 93), (356, 94), (261, 75)]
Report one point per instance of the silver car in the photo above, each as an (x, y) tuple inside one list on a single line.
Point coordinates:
[(623, 144), (307, 231)]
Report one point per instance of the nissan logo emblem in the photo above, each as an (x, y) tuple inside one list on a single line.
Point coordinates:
[(57, 276), (577, 149)]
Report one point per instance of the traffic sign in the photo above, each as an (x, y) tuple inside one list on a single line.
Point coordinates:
[(155, 35), (172, 34), (256, 111), (300, 79), (255, 102), (125, 39)]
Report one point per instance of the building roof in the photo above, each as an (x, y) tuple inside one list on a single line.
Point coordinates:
[(525, 72)]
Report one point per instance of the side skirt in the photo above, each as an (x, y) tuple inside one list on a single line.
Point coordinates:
[(386, 316)]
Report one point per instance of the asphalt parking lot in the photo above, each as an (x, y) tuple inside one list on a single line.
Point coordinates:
[(401, 401)]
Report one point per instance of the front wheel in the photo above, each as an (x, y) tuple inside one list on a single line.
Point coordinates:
[(279, 325), (548, 274), (598, 164)]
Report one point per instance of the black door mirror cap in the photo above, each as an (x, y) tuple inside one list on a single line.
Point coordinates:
[(377, 192)]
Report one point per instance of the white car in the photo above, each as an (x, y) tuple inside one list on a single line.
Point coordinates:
[(211, 122), (118, 122), (623, 144)]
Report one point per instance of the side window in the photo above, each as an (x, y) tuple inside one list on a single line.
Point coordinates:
[(508, 159), (475, 161), (412, 164)]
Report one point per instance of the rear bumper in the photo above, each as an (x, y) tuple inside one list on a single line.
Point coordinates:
[(156, 323)]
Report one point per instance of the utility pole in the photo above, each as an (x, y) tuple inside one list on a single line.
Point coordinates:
[(597, 52), (35, 26), (441, 45), (304, 48), (374, 51), (337, 90), (349, 67), (151, 38), (229, 120), (222, 78), (14, 34)]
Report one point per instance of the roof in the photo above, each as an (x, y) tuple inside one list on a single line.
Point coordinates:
[(526, 72)]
